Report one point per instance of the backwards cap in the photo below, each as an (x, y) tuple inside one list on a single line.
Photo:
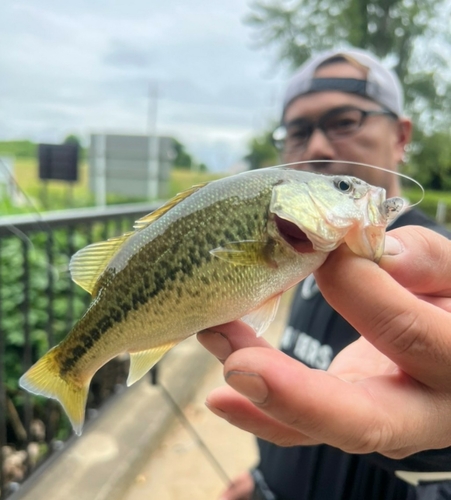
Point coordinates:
[(381, 84)]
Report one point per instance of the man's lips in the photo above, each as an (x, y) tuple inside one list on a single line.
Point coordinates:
[(293, 235)]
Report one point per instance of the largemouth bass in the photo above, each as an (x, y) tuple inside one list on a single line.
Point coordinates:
[(218, 252)]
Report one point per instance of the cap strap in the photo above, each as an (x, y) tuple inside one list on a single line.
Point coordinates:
[(349, 85)]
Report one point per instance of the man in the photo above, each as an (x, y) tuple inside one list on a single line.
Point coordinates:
[(339, 106)]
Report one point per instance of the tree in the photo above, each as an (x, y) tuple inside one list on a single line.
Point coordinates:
[(72, 139), (412, 35), (19, 148), (431, 161), (183, 160), (262, 152)]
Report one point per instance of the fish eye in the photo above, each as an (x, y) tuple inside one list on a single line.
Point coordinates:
[(343, 186)]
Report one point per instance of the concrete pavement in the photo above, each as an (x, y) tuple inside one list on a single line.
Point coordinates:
[(133, 451), (179, 469)]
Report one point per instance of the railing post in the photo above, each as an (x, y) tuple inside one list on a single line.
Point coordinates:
[(70, 307), (50, 292), (440, 215), (3, 436), (25, 334)]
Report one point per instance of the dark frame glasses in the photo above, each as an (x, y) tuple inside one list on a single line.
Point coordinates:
[(335, 124)]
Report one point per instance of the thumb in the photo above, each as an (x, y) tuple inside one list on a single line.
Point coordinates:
[(408, 330), (419, 259)]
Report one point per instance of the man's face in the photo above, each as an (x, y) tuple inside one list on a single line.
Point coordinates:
[(379, 141)]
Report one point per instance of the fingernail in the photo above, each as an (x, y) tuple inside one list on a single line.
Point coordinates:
[(216, 410), (217, 344), (392, 246), (248, 384)]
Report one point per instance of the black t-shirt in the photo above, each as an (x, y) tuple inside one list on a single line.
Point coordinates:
[(314, 335)]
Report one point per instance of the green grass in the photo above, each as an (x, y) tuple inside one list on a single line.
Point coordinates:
[(430, 201), (183, 179), (59, 195), (51, 195)]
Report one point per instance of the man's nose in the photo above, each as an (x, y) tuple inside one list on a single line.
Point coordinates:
[(319, 147)]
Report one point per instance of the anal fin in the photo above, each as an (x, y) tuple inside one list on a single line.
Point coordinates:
[(142, 361), (259, 319)]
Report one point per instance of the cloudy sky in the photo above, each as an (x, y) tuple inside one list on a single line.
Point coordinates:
[(84, 66)]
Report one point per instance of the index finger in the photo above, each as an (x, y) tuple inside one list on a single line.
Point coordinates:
[(224, 339)]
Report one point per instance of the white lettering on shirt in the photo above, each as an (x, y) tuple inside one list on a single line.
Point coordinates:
[(307, 349)]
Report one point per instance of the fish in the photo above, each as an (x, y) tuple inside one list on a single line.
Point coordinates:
[(220, 251)]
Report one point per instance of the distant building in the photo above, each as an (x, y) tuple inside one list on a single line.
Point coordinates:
[(130, 165)]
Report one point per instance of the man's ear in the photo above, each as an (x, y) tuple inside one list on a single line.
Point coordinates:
[(404, 136)]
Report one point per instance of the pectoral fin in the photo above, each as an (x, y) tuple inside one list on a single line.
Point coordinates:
[(259, 319), (246, 253), (142, 361)]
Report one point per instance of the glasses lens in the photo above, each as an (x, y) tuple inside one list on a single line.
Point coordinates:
[(278, 137), (342, 123), (297, 135)]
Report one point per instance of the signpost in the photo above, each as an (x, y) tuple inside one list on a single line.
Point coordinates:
[(58, 162)]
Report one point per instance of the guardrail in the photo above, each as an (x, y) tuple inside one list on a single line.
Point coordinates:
[(38, 306)]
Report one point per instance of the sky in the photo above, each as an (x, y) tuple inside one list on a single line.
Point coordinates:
[(186, 68)]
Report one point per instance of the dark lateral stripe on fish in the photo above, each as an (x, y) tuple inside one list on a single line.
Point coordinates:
[(87, 340), (169, 271), (166, 263)]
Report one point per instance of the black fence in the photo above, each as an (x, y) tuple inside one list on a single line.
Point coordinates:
[(38, 306)]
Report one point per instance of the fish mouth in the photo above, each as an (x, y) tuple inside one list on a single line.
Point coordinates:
[(293, 235)]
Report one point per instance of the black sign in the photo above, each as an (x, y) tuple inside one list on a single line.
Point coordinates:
[(58, 162)]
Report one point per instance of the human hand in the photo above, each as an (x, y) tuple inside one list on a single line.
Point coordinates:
[(388, 392), (240, 488)]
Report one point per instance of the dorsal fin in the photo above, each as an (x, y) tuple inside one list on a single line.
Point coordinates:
[(89, 263), (153, 216)]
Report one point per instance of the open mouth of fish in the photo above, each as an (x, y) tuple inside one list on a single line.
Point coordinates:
[(294, 236)]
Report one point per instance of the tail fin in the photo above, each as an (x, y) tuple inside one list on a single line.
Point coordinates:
[(44, 379)]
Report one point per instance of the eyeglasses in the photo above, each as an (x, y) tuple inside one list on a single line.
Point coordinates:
[(335, 124)]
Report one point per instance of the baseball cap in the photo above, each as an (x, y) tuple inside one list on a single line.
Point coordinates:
[(381, 84)]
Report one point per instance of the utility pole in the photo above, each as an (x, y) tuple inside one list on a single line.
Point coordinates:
[(152, 108), (154, 143)]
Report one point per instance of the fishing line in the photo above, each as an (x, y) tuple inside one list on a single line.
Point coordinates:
[(36, 213), (24, 194), (170, 400), (168, 397), (20, 234), (195, 435), (368, 165), (17, 232)]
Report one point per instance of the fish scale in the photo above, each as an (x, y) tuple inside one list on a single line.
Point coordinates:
[(211, 255), (171, 266)]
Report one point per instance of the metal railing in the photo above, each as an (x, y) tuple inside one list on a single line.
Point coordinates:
[(38, 306)]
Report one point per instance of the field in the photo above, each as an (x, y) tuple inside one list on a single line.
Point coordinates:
[(33, 194), (55, 195)]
